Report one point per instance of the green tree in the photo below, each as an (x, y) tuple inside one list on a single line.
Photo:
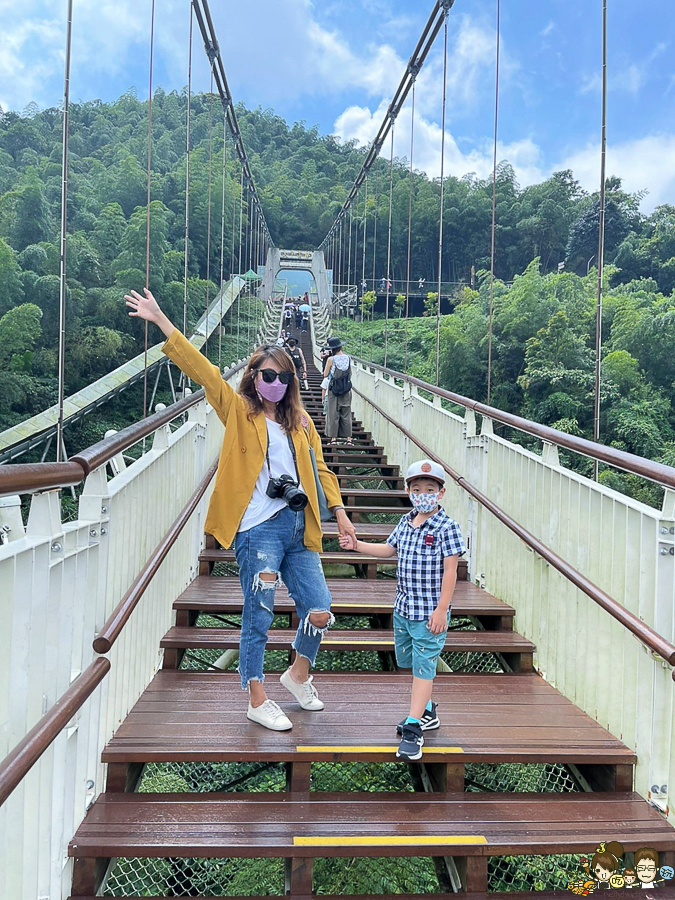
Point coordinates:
[(20, 330), (11, 288), (32, 219)]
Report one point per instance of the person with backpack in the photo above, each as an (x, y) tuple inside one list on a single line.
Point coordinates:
[(338, 371)]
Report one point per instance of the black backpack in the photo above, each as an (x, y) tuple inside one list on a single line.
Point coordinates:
[(342, 383)]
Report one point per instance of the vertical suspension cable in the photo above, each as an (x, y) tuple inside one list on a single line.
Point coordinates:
[(363, 266), (349, 251), (377, 215), (234, 226), (388, 285), (601, 238), (147, 217), (208, 219), (64, 223), (241, 219), (222, 249), (440, 220), (249, 248), (494, 212), (410, 196), (187, 179)]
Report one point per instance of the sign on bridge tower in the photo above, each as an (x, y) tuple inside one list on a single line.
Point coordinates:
[(312, 261)]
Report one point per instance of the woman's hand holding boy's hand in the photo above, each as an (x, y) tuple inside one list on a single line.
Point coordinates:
[(438, 621), (347, 541)]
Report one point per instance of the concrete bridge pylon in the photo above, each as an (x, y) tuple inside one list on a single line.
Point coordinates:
[(312, 261)]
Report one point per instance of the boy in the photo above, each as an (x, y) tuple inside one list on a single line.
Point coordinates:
[(429, 545)]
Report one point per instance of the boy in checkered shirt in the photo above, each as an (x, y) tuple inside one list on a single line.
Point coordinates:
[(428, 544)]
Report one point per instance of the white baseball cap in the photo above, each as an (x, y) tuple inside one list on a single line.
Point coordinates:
[(425, 467)]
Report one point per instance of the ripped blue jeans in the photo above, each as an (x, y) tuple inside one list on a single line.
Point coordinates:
[(276, 547)]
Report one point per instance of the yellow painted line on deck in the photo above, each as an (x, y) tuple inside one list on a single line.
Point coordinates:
[(393, 840), (371, 749)]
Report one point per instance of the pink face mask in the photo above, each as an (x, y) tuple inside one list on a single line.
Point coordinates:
[(273, 392)]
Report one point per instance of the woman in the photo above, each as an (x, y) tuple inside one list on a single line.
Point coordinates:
[(337, 378), (267, 436)]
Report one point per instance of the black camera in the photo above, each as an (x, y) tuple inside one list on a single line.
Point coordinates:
[(285, 488)]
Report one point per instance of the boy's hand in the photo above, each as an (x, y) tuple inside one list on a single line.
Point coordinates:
[(347, 542), (438, 621)]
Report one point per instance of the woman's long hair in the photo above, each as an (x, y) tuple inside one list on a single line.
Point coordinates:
[(289, 408)]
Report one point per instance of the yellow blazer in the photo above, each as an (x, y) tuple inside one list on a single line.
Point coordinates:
[(243, 452)]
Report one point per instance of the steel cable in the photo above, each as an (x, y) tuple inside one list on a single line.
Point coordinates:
[(60, 452), (494, 210), (208, 219), (388, 285), (440, 220), (187, 180), (410, 196)]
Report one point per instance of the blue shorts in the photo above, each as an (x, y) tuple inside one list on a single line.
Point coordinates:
[(416, 647)]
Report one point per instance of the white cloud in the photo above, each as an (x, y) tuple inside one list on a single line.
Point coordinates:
[(627, 77), (548, 29), (643, 163)]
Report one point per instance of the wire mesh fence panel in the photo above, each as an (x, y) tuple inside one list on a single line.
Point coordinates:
[(541, 778), (532, 873), (205, 777), (192, 877), (376, 875), (361, 776)]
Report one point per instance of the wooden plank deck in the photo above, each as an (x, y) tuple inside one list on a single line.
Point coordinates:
[(223, 594), (336, 639), (347, 825), (185, 715)]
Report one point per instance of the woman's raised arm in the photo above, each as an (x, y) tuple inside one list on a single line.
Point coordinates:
[(181, 352)]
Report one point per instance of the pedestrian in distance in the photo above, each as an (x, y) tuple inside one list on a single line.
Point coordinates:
[(338, 372), (265, 502), (428, 544), (298, 357)]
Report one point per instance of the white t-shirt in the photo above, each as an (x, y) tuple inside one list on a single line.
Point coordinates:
[(261, 507)]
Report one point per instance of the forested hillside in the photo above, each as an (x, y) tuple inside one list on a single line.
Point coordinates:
[(544, 324)]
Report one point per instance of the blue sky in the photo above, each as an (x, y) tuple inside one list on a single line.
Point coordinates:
[(336, 63)]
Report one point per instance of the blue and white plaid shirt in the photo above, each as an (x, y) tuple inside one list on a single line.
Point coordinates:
[(421, 551)]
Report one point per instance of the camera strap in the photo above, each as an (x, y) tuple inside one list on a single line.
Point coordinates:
[(267, 453)]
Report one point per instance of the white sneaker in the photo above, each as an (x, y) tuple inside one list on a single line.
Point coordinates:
[(270, 715), (304, 693)]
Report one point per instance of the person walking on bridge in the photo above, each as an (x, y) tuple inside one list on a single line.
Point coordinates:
[(337, 375), (265, 501)]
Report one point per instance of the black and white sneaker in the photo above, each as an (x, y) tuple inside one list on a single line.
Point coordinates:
[(428, 722), (412, 740)]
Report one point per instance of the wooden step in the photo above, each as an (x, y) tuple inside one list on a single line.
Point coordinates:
[(661, 893), (222, 594), (493, 718), (348, 825), (330, 557), (516, 649)]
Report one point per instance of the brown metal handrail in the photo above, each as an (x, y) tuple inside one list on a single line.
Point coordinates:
[(27, 478), (120, 616), (628, 462), (23, 757), (643, 632)]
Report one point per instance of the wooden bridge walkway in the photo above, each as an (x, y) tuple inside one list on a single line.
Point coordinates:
[(512, 716)]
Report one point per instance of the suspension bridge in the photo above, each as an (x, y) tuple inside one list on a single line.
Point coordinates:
[(127, 768)]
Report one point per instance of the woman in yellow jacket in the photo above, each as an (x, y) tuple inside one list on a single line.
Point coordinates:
[(267, 437)]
